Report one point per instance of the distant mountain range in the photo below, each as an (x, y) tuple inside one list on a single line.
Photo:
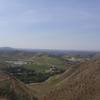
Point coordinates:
[(6, 48), (47, 51)]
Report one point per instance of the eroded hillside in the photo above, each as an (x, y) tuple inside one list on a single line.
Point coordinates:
[(13, 89), (79, 82)]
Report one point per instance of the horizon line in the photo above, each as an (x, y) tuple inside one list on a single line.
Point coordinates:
[(51, 49)]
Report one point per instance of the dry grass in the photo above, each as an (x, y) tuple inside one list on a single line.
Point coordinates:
[(80, 82), (13, 88)]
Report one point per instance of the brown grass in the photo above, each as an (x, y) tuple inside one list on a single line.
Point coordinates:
[(81, 82)]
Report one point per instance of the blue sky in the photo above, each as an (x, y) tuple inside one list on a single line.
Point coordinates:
[(50, 24)]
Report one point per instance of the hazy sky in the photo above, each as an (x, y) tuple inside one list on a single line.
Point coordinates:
[(52, 24)]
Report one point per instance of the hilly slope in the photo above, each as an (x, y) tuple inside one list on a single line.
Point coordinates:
[(80, 82), (13, 89)]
